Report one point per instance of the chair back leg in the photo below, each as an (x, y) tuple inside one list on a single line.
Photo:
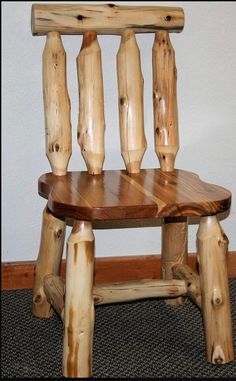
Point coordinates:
[(49, 260), (174, 249)]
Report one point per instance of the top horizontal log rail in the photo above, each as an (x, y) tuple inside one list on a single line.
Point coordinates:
[(104, 18)]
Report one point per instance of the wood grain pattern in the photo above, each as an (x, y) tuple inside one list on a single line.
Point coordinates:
[(117, 195), (184, 272), (212, 247), (165, 101), (104, 18), (56, 105), (91, 124), (54, 287), (136, 290), (174, 248), (130, 87), (79, 305), (49, 260)]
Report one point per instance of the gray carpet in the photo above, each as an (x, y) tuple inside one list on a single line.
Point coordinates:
[(139, 339)]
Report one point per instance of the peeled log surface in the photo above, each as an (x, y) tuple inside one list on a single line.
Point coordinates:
[(118, 195), (184, 272), (115, 292), (54, 289), (49, 260), (104, 18), (130, 291), (174, 248), (78, 332), (91, 123), (165, 101), (130, 86), (56, 104), (212, 248)]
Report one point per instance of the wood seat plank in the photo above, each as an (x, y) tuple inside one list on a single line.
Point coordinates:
[(115, 194)]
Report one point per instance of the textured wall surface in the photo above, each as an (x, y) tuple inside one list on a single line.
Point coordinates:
[(206, 63)]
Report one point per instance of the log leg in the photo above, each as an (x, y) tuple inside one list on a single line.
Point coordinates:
[(79, 304), (49, 260), (212, 247), (174, 249)]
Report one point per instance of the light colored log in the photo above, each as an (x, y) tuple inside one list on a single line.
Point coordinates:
[(174, 248), (54, 289), (136, 290), (191, 279), (49, 260), (104, 18), (56, 104), (212, 246), (79, 305), (91, 125), (165, 101), (115, 292), (130, 86)]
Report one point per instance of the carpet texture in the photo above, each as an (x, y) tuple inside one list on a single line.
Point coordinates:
[(139, 339)]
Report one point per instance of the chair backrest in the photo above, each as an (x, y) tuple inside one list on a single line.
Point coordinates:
[(53, 20)]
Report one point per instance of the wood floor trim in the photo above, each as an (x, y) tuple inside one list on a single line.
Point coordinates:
[(19, 275)]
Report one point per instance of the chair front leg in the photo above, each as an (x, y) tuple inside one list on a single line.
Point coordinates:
[(212, 247), (79, 304), (49, 260), (174, 249)]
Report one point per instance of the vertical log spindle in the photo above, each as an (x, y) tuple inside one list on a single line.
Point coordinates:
[(165, 101), (130, 87), (174, 248), (49, 260), (212, 247), (91, 124), (56, 105), (79, 304)]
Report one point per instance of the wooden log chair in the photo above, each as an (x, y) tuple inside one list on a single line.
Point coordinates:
[(165, 193)]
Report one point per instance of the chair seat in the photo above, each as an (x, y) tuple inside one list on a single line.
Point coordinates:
[(115, 195)]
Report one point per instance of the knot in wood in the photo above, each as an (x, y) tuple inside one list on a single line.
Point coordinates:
[(217, 299), (218, 356), (57, 147), (157, 130), (123, 102), (37, 299), (218, 360), (156, 96), (58, 233), (97, 299)]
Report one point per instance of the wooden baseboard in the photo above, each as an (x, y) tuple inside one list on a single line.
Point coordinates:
[(20, 275)]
